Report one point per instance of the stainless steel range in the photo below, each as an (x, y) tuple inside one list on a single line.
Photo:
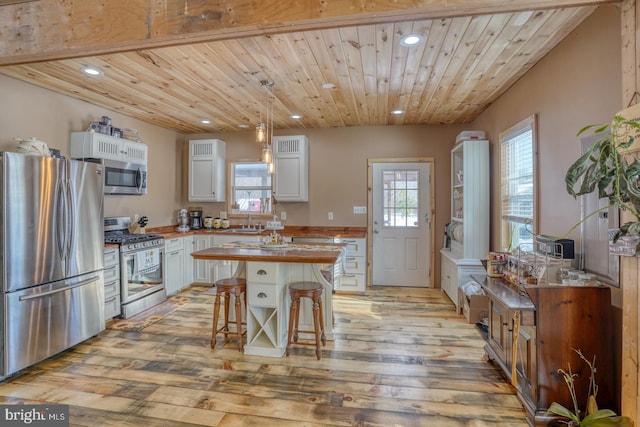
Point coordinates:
[(141, 266)]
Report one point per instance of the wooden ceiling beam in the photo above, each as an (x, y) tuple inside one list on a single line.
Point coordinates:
[(44, 30)]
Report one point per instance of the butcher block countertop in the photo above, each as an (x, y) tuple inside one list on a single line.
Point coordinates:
[(294, 253), (170, 232)]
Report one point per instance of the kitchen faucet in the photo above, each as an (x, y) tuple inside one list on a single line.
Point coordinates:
[(249, 220)]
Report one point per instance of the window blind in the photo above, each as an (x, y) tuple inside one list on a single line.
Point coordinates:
[(517, 176)]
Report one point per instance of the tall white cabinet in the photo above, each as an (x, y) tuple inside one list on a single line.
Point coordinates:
[(291, 178), (207, 170), (469, 226)]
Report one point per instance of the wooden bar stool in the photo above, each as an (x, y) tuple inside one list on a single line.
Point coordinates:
[(311, 290), (237, 287)]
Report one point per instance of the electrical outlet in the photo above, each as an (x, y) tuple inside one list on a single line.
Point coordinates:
[(330, 216), (223, 214), (359, 210), (283, 215)]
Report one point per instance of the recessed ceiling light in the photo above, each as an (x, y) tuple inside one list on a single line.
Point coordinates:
[(328, 85), (205, 122), (411, 40), (92, 71), (296, 116), (243, 126), (397, 111)]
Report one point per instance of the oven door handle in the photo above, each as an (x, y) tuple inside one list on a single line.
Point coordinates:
[(146, 282)]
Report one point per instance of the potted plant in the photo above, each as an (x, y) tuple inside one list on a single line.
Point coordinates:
[(593, 417), (611, 169)]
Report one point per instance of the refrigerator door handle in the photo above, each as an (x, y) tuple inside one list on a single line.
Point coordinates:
[(71, 229), (44, 294), (61, 220)]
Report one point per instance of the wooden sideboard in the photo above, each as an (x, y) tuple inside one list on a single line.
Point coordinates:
[(533, 331)]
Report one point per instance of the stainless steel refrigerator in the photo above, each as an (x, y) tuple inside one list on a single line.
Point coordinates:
[(51, 257)]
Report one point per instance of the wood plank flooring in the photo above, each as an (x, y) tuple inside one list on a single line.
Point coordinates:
[(401, 357)]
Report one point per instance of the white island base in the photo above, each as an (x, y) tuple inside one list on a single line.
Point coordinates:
[(268, 304)]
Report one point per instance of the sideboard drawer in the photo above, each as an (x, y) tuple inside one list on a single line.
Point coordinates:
[(263, 295), (263, 272)]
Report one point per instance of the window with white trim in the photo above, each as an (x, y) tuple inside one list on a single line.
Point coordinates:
[(518, 183), (250, 188)]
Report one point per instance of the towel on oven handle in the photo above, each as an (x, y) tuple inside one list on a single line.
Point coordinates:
[(148, 261)]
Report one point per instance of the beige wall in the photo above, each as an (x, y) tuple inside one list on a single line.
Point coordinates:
[(338, 167), (576, 84)]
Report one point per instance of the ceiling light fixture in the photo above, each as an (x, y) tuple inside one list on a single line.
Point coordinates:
[(411, 40), (92, 71), (328, 85), (296, 116), (205, 122), (264, 131), (243, 126), (397, 111)]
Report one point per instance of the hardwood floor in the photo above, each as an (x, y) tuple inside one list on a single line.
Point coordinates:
[(401, 357)]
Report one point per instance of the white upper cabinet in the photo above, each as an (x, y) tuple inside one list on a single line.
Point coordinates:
[(470, 199), (207, 170), (291, 177), (94, 145)]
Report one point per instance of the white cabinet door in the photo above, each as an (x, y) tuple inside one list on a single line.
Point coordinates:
[(291, 176), (174, 271), (207, 170), (188, 246), (202, 269)]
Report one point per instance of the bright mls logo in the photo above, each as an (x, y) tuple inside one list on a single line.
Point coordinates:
[(34, 415)]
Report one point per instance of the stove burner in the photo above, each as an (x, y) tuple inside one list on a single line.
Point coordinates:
[(123, 238)]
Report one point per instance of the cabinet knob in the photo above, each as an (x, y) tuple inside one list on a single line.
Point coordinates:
[(262, 295), (261, 272)]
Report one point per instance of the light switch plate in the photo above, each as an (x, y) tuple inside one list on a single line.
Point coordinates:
[(330, 216), (283, 215), (359, 210)]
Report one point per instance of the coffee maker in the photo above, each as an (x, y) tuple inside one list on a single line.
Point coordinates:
[(183, 221), (195, 218)]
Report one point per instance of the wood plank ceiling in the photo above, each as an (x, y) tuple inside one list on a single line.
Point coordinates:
[(463, 66)]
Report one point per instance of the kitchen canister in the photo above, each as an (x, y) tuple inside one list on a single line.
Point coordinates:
[(208, 222), (217, 223), (224, 223)]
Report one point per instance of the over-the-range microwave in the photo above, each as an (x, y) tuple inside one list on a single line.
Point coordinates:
[(124, 178)]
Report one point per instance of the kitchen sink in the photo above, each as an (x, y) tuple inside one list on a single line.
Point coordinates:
[(241, 230)]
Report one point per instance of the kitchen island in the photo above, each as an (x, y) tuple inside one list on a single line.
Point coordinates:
[(268, 270)]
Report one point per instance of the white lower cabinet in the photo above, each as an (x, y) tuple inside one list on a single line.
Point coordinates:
[(111, 283), (174, 265), (188, 245), (455, 272), (202, 268), (267, 306), (354, 277)]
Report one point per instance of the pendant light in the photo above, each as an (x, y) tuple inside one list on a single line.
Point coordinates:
[(264, 132)]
